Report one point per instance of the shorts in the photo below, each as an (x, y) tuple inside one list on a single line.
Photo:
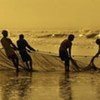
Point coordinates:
[(25, 56), (64, 55), (12, 56)]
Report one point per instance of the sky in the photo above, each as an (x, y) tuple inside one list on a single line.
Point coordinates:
[(49, 13)]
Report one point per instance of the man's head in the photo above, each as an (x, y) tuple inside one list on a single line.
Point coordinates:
[(98, 41), (71, 37), (5, 33), (21, 36)]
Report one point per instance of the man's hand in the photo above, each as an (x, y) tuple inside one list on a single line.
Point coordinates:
[(15, 48), (70, 57), (33, 49), (29, 51)]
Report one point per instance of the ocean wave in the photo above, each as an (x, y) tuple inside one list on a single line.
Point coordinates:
[(53, 35), (92, 35)]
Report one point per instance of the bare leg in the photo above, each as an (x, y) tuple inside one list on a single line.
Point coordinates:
[(67, 65), (31, 65), (16, 63), (27, 65)]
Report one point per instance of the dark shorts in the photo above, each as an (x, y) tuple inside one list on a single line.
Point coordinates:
[(64, 55), (25, 56)]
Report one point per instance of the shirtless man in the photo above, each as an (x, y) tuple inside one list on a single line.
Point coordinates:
[(10, 48), (96, 55), (23, 47), (65, 51)]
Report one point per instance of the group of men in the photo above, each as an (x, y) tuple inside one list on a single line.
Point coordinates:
[(22, 47), (65, 52)]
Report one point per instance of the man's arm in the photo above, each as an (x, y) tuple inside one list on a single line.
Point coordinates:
[(70, 48), (13, 45), (96, 55), (28, 46)]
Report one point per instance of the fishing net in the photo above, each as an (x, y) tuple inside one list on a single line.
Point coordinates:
[(43, 61), (82, 63)]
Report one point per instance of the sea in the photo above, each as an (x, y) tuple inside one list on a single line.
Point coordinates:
[(52, 84)]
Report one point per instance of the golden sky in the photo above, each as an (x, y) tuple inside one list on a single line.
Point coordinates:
[(49, 13)]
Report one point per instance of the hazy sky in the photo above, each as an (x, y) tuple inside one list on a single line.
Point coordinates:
[(49, 13)]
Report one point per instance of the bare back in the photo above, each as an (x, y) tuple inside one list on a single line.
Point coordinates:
[(6, 43), (65, 45)]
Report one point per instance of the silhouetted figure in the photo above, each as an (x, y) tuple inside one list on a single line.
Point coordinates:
[(9, 48), (65, 51), (23, 47), (96, 55)]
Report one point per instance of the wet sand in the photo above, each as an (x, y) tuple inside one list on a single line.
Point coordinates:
[(52, 85), (49, 86)]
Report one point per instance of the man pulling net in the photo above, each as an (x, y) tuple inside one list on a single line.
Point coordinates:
[(10, 48), (24, 48), (65, 53), (92, 65)]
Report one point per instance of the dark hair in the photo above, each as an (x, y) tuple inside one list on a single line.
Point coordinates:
[(21, 36), (71, 37), (5, 33), (98, 41)]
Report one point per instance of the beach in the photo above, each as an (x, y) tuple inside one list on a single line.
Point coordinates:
[(50, 82), (49, 85)]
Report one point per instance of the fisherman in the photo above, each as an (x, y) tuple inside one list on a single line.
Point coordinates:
[(65, 51), (96, 55), (10, 48), (23, 47)]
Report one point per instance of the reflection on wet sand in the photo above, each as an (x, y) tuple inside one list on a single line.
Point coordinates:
[(17, 88), (80, 86), (49, 86), (65, 87)]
